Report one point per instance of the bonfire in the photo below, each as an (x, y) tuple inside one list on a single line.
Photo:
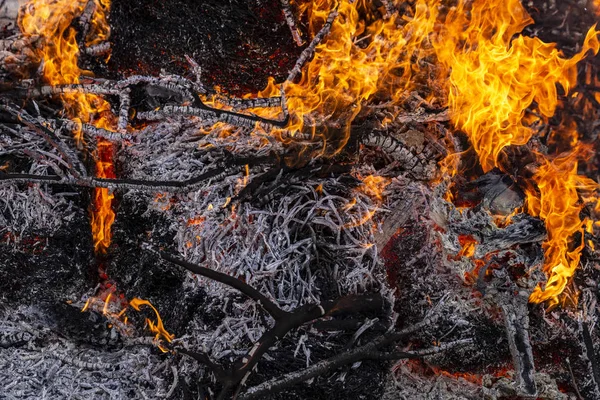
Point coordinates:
[(317, 199)]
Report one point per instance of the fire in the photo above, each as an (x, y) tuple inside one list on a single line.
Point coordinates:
[(103, 215), (559, 206), (346, 70), (495, 75), (114, 309), (156, 328), (374, 186), (53, 20), (467, 243)]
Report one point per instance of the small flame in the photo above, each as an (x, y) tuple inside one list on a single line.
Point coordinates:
[(366, 217), (374, 185), (157, 328)]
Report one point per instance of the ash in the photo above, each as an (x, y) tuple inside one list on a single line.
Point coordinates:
[(46, 366)]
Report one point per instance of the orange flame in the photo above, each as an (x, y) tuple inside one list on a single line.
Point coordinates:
[(361, 57), (374, 186), (52, 20), (114, 309), (495, 75), (156, 328), (495, 78), (558, 205)]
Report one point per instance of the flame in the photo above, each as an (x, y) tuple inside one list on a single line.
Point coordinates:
[(373, 186), (103, 215), (468, 244), (495, 75), (558, 205), (52, 20), (157, 328), (114, 309), (359, 59)]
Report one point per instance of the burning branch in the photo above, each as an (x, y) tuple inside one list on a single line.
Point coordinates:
[(308, 52)]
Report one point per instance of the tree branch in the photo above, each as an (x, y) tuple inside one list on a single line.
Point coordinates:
[(284, 321), (269, 306), (365, 352)]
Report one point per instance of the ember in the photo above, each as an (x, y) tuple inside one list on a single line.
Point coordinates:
[(407, 209)]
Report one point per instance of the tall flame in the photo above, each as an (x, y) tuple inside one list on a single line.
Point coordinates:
[(559, 206), (495, 75), (52, 20)]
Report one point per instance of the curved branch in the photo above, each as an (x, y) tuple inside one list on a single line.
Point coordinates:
[(269, 306)]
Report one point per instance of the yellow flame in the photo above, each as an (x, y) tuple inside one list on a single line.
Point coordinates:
[(558, 205), (494, 77), (360, 58), (374, 185)]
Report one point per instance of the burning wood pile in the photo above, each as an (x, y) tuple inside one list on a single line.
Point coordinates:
[(300, 199)]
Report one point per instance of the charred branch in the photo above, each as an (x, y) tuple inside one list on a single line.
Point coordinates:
[(228, 280), (132, 184), (50, 136), (419, 165), (289, 18), (308, 52), (259, 102), (285, 321), (366, 352), (124, 110), (99, 49)]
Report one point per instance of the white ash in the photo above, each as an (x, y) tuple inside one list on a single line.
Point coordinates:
[(405, 384), (32, 209), (480, 224), (35, 208), (292, 249), (176, 150), (308, 238), (52, 367)]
